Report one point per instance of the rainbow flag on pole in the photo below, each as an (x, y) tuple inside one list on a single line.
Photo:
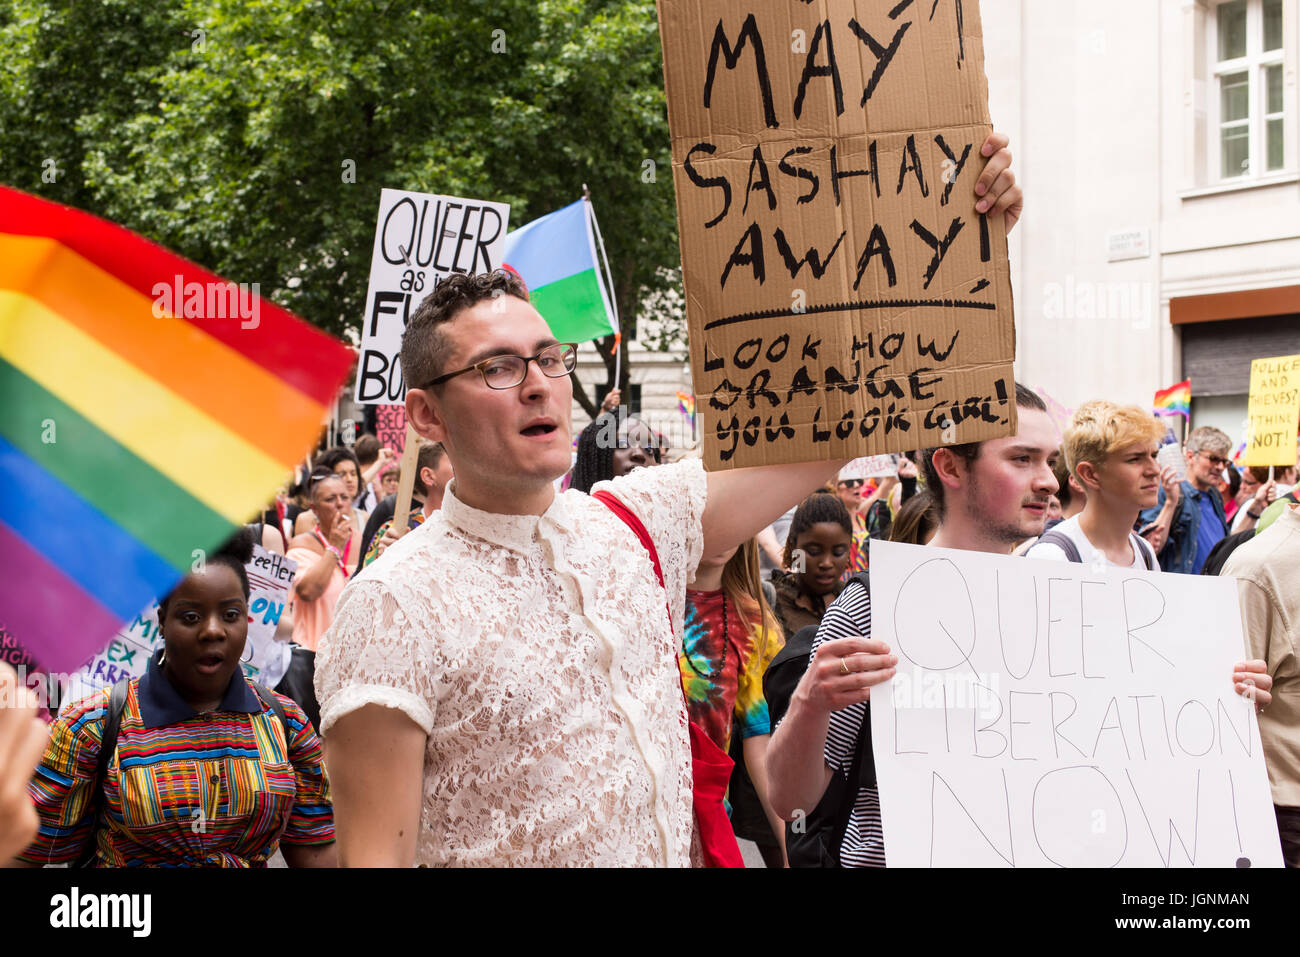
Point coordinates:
[(149, 409), (556, 258), (1175, 400)]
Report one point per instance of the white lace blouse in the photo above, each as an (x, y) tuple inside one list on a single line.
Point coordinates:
[(536, 653)]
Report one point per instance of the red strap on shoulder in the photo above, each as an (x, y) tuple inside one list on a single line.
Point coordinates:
[(639, 530)]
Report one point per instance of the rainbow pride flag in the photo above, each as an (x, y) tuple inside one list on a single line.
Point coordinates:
[(150, 408), (686, 404), (1175, 400), (556, 258)]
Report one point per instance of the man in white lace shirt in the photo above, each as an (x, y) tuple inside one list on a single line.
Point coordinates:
[(502, 686)]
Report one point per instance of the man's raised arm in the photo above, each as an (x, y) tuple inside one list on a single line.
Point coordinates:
[(743, 502)]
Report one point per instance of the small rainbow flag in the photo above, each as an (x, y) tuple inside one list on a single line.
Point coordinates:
[(1239, 454), (1175, 400), (686, 404), (150, 408)]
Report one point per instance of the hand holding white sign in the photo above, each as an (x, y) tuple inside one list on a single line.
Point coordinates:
[(844, 671)]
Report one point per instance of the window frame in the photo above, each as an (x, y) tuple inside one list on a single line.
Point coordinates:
[(1254, 64)]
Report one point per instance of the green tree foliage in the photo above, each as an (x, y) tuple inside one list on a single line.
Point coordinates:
[(225, 130)]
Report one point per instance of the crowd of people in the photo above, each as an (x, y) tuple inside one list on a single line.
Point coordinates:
[(569, 653)]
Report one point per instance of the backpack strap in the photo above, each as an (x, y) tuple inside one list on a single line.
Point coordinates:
[(629, 518), (270, 700), (1063, 542), (1144, 549), (107, 748)]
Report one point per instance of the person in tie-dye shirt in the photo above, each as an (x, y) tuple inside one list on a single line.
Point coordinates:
[(730, 637)]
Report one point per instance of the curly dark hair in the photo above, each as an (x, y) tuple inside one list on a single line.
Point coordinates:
[(424, 348), (821, 506), (235, 552)]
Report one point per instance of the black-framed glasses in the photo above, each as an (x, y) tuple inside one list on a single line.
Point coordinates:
[(1217, 461), (506, 372)]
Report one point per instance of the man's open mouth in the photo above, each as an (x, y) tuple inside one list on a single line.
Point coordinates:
[(536, 431)]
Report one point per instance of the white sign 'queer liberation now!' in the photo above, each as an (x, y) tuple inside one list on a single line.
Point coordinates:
[(1055, 714)]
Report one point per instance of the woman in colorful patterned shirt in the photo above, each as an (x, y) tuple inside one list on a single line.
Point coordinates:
[(204, 773), (730, 637)]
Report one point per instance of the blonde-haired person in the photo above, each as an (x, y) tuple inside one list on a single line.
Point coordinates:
[(729, 639), (1111, 452)]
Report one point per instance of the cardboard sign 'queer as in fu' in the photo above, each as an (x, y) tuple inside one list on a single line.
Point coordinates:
[(843, 296)]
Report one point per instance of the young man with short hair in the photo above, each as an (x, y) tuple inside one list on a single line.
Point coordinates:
[(991, 495), (503, 687), (1111, 451)]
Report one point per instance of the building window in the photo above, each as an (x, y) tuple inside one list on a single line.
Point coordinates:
[(1247, 53)]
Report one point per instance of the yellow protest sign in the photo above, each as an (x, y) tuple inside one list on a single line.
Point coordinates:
[(1274, 411)]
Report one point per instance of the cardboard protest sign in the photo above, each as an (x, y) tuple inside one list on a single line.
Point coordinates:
[(1274, 411), (390, 426), (419, 239), (843, 296), (1049, 713), (264, 658)]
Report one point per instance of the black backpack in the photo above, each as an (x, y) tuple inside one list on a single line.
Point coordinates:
[(108, 746), (814, 840)]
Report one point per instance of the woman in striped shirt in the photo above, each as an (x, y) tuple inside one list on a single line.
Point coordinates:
[(208, 770)]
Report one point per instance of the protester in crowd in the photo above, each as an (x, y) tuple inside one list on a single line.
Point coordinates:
[(1274, 511), (1069, 493), (388, 483), (1229, 491), (296, 501), (512, 586), (1267, 570), (207, 769), (375, 460), (1110, 451), (431, 479), (1266, 493), (23, 738), (729, 637), (268, 533), (990, 495), (817, 553), (917, 521), (369, 466), (1197, 521), (608, 449), (326, 556), (341, 462), (1246, 490), (869, 509)]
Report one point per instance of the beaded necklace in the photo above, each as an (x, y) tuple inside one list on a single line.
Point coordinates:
[(721, 664)]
